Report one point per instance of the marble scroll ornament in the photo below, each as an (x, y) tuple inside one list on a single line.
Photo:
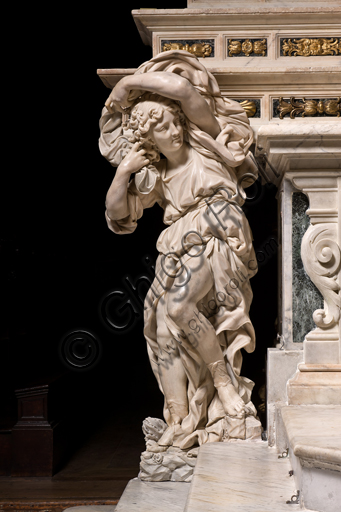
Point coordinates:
[(321, 258)]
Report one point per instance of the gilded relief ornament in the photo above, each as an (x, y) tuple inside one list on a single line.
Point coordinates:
[(235, 47), (250, 107), (311, 47), (308, 107), (247, 47), (198, 49)]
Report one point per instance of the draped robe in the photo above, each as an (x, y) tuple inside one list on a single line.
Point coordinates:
[(202, 208)]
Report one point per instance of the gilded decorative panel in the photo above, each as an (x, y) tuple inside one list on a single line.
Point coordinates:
[(251, 107), (247, 47), (292, 107), (199, 47), (305, 47)]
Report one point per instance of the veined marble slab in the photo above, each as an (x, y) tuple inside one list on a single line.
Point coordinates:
[(240, 477), (142, 496), (314, 434)]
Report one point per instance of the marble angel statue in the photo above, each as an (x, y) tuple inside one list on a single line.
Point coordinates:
[(177, 142)]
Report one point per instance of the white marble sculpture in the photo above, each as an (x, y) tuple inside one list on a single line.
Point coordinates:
[(196, 311)]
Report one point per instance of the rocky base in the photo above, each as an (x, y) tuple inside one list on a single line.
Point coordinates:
[(173, 465), (161, 463)]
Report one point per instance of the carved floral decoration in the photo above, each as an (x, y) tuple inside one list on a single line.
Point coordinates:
[(198, 49), (311, 47), (321, 258), (247, 47), (308, 107)]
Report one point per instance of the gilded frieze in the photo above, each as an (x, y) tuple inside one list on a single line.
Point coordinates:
[(199, 48), (251, 107), (310, 47), (247, 48), (306, 107)]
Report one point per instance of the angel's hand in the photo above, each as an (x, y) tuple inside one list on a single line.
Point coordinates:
[(122, 97), (134, 160), (224, 135)]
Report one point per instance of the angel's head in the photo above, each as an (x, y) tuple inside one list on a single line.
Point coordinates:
[(158, 123)]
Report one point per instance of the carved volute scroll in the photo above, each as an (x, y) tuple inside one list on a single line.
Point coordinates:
[(321, 258), (320, 250)]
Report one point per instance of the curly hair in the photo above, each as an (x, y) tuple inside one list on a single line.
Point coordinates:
[(147, 112)]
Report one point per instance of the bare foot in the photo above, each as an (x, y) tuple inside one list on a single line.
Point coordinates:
[(232, 403)]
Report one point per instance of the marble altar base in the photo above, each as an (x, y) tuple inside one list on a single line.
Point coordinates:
[(314, 440)]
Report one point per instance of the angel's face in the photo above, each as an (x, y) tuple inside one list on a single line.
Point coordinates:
[(168, 133)]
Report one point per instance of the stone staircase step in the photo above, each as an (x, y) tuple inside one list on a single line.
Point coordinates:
[(142, 496), (314, 441), (241, 477)]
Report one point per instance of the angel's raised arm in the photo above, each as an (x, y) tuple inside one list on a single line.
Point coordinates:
[(170, 85)]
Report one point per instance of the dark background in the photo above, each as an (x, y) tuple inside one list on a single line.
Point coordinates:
[(58, 258)]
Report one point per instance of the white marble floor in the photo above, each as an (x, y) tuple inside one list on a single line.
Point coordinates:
[(240, 477)]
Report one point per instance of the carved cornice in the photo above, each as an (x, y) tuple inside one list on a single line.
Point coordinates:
[(306, 150), (311, 47), (202, 49), (308, 107), (247, 47)]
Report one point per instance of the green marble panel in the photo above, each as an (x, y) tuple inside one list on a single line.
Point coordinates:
[(306, 298)]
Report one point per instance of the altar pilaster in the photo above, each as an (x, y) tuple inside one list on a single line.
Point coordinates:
[(306, 158)]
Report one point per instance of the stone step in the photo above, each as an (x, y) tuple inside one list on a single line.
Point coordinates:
[(142, 496), (241, 477), (314, 440), (229, 477)]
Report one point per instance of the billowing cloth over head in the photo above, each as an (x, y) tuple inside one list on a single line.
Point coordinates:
[(114, 142)]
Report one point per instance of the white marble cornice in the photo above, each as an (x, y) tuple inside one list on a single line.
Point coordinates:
[(263, 79), (242, 18), (305, 148)]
